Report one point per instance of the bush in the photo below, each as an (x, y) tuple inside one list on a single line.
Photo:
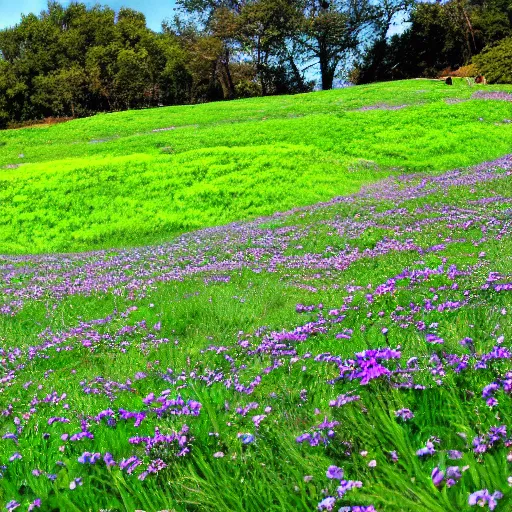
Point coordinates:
[(247, 89), (354, 75), (463, 72), (466, 71), (496, 62)]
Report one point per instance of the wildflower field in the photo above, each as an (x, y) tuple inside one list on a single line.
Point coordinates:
[(286, 304)]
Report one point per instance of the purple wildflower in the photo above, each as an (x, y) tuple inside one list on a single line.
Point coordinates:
[(334, 473), (437, 476), (404, 414), (434, 339), (75, 483), (327, 503), (427, 450), (108, 459), (246, 438), (35, 504), (347, 485), (484, 497)]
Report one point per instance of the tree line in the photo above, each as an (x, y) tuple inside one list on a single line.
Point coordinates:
[(473, 36), (72, 61)]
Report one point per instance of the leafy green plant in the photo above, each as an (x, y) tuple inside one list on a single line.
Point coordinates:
[(496, 62)]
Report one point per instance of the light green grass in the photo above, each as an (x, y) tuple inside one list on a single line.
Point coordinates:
[(111, 181)]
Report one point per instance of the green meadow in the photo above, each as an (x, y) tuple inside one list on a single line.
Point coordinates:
[(338, 339), (138, 177)]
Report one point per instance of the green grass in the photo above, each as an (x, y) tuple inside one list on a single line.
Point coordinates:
[(112, 181), (210, 292), (269, 474)]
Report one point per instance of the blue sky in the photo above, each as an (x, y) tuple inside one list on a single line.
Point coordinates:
[(155, 10)]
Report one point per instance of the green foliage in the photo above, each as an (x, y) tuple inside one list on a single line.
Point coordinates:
[(442, 37), (496, 62), (62, 92), (74, 61)]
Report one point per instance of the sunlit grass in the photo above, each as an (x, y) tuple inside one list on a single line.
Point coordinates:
[(112, 180)]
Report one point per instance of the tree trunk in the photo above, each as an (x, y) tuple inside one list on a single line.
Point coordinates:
[(263, 83), (213, 77), (296, 73), (260, 68), (229, 92), (224, 80), (327, 80), (326, 69)]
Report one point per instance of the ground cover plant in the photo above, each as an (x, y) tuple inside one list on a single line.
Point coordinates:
[(351, 355), (141, 176)]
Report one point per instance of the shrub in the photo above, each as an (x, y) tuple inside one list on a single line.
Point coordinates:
[(466, 71), (463, 72), (247, 89), (496, 62)]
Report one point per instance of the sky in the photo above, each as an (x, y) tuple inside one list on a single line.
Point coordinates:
[(154, 10)]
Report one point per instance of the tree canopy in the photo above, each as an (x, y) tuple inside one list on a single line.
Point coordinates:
[(442, 37), (74, 60)]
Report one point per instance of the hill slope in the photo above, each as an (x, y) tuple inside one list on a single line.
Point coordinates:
[(143, 176), (352, 354)]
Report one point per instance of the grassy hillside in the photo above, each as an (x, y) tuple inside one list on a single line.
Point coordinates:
[(349, 355), (143, 176)]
